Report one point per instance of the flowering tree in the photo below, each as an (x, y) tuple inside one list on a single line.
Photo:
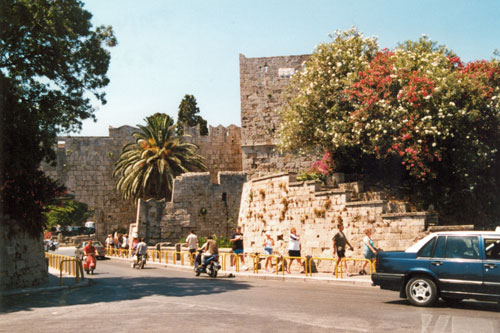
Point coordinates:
[(422, 103), (419, 104), (316, 109)]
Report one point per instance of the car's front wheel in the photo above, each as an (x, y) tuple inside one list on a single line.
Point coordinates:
[(421, 291)]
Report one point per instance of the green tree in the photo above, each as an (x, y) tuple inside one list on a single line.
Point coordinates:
[(51, 62), (69, 212), (146, 169), (188, 115)]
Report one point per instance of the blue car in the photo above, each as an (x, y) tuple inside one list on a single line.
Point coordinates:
[(451, 265)]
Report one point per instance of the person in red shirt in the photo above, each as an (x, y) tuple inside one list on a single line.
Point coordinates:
[(90, 251)]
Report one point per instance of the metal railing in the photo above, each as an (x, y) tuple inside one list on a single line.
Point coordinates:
[(371, 264), (296, 258), (258, 257), (310, 262), (65, 264), (178, 258)]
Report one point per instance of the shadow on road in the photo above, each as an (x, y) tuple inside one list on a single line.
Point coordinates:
[(117, 289), (465, 305)]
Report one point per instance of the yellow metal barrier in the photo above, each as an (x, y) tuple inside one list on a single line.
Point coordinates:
[(319, 259), (258, 256), (165, 254), (297, 258), (224, 260), (69, 265), (353, 260)]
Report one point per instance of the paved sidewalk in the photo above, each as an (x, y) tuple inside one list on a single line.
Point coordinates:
[(53, 284), (359, 280)]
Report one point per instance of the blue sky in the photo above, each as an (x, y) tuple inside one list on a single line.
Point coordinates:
[(167, 49)]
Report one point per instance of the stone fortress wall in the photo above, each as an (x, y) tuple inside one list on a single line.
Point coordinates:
[(277, 203), (262, 84), (85, 165), (221, 148), (198, 203)]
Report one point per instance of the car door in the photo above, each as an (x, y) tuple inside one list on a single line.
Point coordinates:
[(457, 264), (491, 264)]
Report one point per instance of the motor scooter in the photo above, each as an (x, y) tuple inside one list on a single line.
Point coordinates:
[(140, 261), (211, 266), (89, 264)]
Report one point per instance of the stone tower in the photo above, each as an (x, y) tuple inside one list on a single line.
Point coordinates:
[(262, 84)]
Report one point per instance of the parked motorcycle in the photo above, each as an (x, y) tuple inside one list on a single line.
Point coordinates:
[(211, 266), (139, 261), (50, 245)]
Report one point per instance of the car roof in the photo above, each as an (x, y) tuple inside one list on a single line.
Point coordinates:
[(418, 245), (471, 232)]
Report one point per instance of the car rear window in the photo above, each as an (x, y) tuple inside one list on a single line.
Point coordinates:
[(426, 250), (439, 249)]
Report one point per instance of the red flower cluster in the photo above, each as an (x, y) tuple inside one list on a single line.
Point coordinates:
[(323, 166), (373, 84)]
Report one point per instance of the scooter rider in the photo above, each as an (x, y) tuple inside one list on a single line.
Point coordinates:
[(141, 248), (209, 249), (90, 251)]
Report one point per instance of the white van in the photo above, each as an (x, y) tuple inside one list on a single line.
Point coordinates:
[(90, 224)]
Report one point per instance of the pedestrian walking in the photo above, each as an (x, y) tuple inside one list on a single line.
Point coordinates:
[(192, 244), (237, 241), (369, 250), (268, 250), (294, 248), (339, 244)]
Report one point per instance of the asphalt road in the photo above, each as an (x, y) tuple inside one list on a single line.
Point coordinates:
[(158, 299)]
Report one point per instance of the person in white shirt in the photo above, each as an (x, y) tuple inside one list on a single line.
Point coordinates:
[(109, 242), (294, 248), (125, 242), (142, 247), (192, 242)]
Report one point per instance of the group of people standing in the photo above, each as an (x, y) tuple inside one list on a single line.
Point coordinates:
[(339, 244), (119, 241)]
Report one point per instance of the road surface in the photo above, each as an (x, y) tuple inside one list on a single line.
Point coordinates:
[(157, 299)]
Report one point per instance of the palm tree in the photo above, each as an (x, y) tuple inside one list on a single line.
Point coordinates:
[(146, 169)]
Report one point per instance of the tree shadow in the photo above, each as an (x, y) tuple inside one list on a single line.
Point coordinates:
[(117, 289)]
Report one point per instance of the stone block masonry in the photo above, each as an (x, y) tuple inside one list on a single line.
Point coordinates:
[(262, 85), (277, 203), (85, 165), (198, 204), (221, 148), (22, 260)]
